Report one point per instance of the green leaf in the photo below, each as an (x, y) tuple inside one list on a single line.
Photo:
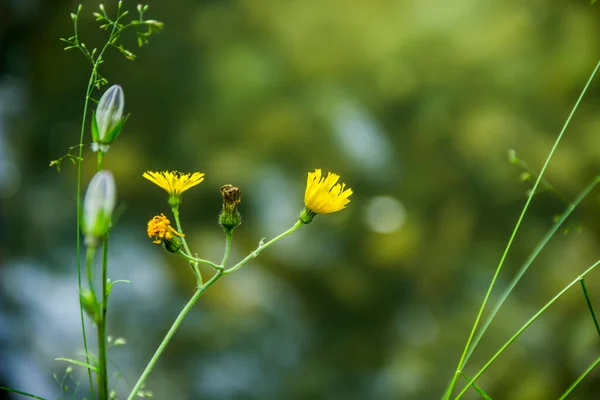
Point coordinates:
[(77, 362), (33, 396)]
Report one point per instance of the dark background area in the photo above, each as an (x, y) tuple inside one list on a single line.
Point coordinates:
[(414, 103)]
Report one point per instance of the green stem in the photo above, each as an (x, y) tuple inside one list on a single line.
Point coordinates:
[(100, 159), (262, 247), (568, 211), (193, 264), (589, 304), (514, 233), (198, 260), (581, 377), (88, 92), (479, 390), (171, 332), (525, 326), (103, 375), (228, 238)]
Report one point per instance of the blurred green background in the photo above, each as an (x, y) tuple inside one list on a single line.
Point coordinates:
[(414, 103)]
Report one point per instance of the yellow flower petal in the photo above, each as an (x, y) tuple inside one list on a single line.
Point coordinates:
[(325, 195), (174, 182)]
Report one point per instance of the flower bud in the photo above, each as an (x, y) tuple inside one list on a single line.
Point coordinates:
[(230, 217), (108, 120), (90, 306), (98, 206)]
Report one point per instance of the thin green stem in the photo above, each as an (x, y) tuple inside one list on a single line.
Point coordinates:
[(568, 211), (103, 375), (193, 263), (525, 326), (262, 247), (171, 332), (198, 260), (180, 230), (78, 242), (589, 304), (581, 377), (33, 396), (228, 238), (100, 159), (479, 390), (514, 233)]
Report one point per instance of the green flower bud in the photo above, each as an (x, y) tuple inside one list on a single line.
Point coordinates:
[(230, 217), (90, 306), (98, 206), (108, 120)]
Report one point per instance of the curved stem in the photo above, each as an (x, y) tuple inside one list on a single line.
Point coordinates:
[(513, 235), (262, 247), (194, 263), (525, 326), (198, 260), (171, 332)]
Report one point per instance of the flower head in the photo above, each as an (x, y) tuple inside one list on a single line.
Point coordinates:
[(174, 183), (98, 206), (160, 229), (323, 195)]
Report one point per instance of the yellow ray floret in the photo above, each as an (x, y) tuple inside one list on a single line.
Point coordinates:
[(159, 229), (174, 182), (324, 195)]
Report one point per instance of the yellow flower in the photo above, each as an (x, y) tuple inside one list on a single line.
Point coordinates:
[(160, 229), (174, 182), (324, 195)]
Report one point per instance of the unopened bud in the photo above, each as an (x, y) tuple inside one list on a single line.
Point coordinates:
[(108, 121), (230, 217), (98, 206), (90, 306)]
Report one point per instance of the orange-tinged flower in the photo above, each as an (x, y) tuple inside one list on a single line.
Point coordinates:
[(324, 195), (174, 182), (160, 229)]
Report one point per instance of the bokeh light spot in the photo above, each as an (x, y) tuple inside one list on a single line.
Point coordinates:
[(384, 214)]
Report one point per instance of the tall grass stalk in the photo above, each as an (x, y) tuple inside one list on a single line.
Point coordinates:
[(524, 327), (467, 347)]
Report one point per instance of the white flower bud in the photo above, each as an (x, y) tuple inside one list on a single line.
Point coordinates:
[(108, 120), (98, 206)]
